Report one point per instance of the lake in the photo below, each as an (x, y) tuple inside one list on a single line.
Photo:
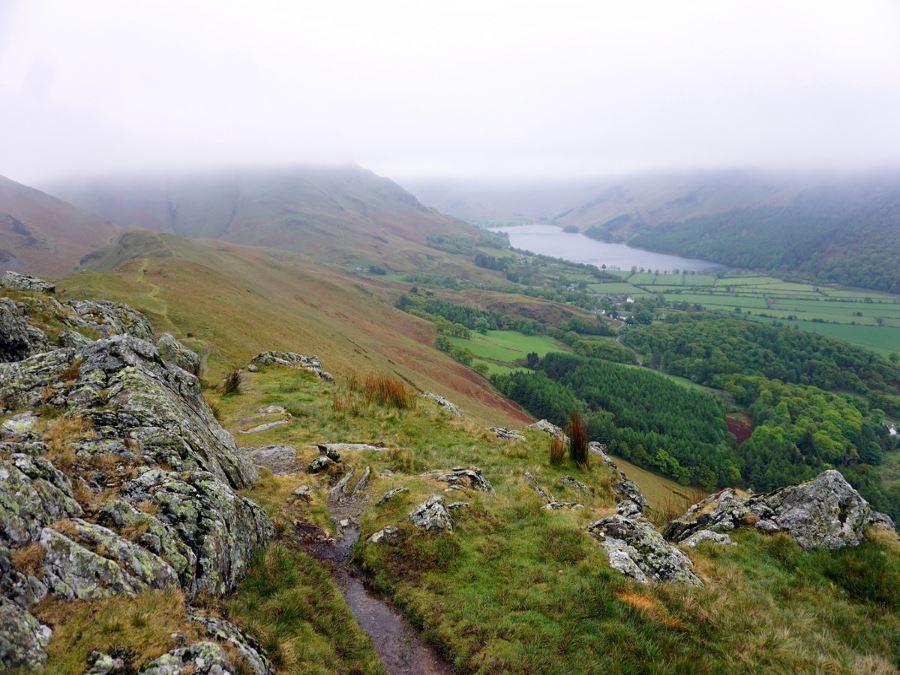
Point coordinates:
[(552, 241)]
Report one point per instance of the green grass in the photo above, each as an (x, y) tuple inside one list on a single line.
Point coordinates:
[(507, 346), (291, 604), (517, 589)]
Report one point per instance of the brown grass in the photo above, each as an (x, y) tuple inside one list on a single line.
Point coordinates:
[(140, 627), (557, 450), (59, 436), (28, 559), (69, 375), (578, 440), (148, 507), (387, 390), (649, 607)]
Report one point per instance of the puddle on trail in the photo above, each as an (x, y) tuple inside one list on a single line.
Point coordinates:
[(399, 645)]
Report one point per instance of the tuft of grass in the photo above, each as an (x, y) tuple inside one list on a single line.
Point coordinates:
[(557, 450), (28, 559), (388, 391), (232, 383), (59, 436), (578, 439)]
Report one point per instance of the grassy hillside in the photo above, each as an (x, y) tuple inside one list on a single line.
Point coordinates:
[(44, 235), (342, 214), (231, 302), (515, 588)]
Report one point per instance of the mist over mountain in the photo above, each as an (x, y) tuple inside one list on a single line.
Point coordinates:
[(341, 213)]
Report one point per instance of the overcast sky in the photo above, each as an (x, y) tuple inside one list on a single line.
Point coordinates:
[(427, 87)]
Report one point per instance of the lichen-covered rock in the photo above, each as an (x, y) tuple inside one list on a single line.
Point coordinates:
[(387, 535), (825, 512), (320, 463), (18, 340), (707, 535), (636, 549), (390, 494), (172, 351), (431, 515), (202, 658), (101, 663), (549, 428), (508, 434), (18, 426), (632, 500), (293, 360), (108, 318), (279, 459), (463, 478), (33, 493), (154, 535), (221, 528), (21, 587), (25, 282), (452, 408), (72, 572), (249, 649), (22, 639), (573, 482)]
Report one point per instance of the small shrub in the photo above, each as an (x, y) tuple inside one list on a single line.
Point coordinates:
[(578, 440), (232, 383), (388, 391), (557, 450)]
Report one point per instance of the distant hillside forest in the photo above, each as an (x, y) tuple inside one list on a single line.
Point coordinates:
[(818, 239)]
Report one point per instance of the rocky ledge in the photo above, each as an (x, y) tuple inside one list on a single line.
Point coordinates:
[(115, 477), (823, 513)]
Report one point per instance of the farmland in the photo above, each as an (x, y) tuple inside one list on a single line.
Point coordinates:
[(867, 318), (499, 350)]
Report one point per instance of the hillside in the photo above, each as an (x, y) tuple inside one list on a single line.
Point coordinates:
[(833, 227), (303, 523), (341, 214), (44, 235), (236, 301)]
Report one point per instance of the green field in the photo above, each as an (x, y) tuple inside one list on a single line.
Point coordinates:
[(870, 319), (500, 349)]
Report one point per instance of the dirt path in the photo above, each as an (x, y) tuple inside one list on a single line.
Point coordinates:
[(399, 645)]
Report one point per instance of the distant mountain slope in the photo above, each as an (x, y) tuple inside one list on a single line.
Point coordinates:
[(836, 228), (842, 228), (44, 235), (230, 302), (343, 214)]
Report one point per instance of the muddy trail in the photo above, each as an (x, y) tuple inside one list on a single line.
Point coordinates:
[(398, 643)]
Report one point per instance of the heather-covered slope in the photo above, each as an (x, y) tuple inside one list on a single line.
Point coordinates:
[(44, 235), (343, 214)]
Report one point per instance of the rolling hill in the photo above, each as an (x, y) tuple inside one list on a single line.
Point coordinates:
[(230, 302), (44, 235), (344, 214)]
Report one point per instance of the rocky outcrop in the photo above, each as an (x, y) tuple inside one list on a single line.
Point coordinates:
[(202, 658), (707, 535), (172, 351), (637, 550), (452, 408), (461, 478), (549, 428), (508, 434), (18, 339), (390, 494), (154, 472), (823, 513), (431, 515), (25, 282), (250, 650), (22, 638), (552, 503), (293, 360), (279, 459)]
